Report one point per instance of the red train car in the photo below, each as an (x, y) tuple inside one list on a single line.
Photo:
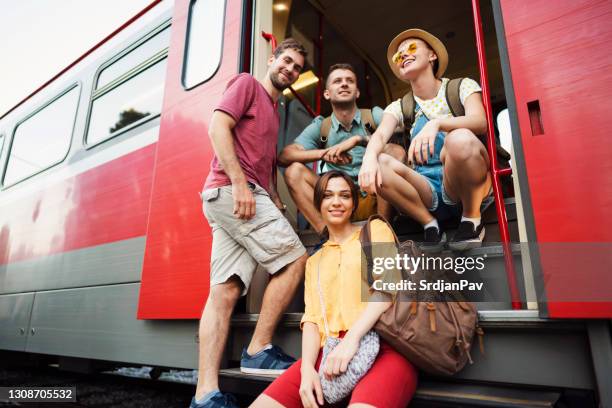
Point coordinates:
[(104, 251)]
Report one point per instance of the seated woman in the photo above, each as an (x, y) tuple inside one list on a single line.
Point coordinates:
[(391, 381), (447, 175)]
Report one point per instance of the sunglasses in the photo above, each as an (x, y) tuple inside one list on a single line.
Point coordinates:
[(400, 56)]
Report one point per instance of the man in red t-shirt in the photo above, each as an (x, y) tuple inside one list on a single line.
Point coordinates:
[(244, 212)]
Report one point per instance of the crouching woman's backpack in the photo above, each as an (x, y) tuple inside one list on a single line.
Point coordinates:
[(434, 336)]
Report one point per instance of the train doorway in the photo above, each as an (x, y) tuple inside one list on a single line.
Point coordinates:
[(357, 33)]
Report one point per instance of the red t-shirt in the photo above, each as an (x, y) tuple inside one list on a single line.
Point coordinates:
[(255, 133)]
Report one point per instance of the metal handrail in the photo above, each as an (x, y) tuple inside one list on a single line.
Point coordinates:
[(496, 172)]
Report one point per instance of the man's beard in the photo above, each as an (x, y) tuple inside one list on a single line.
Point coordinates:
[(277, 83), (344, 104)]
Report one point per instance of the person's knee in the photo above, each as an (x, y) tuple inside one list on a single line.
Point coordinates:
[(225, 295), (294, 173), (299, 266), (385, 160), (395, 151), (461, 145)]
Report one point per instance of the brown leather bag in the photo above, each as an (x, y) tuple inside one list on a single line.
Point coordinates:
[(435, 336)]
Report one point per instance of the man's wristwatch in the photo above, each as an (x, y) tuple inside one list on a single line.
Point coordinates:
[(363, 140)]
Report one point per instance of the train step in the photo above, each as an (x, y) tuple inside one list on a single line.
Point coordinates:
[(489, 319), (429, 393)]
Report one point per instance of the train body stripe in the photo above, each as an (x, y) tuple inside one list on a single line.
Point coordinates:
[(100, 200)]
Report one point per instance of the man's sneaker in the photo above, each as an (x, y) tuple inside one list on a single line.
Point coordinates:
[(467, 236), (270, 360), (216, 400), (433, 240)]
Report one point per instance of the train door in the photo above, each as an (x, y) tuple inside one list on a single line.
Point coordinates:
[(206, 50), (559, 72)]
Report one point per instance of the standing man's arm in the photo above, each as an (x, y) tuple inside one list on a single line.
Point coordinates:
[(274, 192), (220, 133)]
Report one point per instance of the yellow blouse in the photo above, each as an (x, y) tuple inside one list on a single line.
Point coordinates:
[(345, 290)]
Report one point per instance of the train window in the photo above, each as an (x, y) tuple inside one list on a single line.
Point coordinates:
[(151, 47), (43, 139), (204, 41), (134, 101), (1, 144)]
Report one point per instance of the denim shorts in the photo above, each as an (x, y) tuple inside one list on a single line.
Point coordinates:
[(442, 206)]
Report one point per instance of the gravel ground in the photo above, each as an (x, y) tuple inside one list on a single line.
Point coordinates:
[(124, 387)]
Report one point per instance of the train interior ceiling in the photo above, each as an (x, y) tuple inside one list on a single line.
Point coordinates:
[(358, 33)]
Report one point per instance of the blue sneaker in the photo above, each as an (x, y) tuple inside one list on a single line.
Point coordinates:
[(270, 360), (215, 399)]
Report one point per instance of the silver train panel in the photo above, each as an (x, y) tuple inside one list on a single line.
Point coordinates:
[(117, 262), (100, 323), (15, 313)]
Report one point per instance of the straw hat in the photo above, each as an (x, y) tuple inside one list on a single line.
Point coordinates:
[(430, 39)]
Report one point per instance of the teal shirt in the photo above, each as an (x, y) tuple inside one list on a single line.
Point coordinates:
[(309, 139)]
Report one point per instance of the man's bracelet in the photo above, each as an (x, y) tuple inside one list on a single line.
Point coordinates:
[(363, 140)]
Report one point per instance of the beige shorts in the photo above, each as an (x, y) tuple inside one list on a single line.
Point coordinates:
[(239, 245)]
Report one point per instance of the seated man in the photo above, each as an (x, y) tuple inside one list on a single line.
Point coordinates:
[(447, 173), (339, 142)]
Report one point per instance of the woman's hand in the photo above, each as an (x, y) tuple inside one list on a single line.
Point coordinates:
[(338, 360), (423, 144), (310, 387), (369, 176)]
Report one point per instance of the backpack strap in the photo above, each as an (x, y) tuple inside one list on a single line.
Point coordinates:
[(365, 237), (324, 132), (453, 99), (408, 104), (368, 120)]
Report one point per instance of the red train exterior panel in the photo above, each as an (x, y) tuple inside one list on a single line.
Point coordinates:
[(559, 57), (175, 278)]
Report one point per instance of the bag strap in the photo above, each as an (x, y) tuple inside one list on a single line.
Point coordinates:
[(453, 98), (367, 119), (321, 300), (365, 237), (323, 136), (324, 132), (408, 104)]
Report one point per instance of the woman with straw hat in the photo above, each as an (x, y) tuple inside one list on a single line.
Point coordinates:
[(447, 169)]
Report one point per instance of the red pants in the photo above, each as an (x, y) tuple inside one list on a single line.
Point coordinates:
[(391, 382)]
